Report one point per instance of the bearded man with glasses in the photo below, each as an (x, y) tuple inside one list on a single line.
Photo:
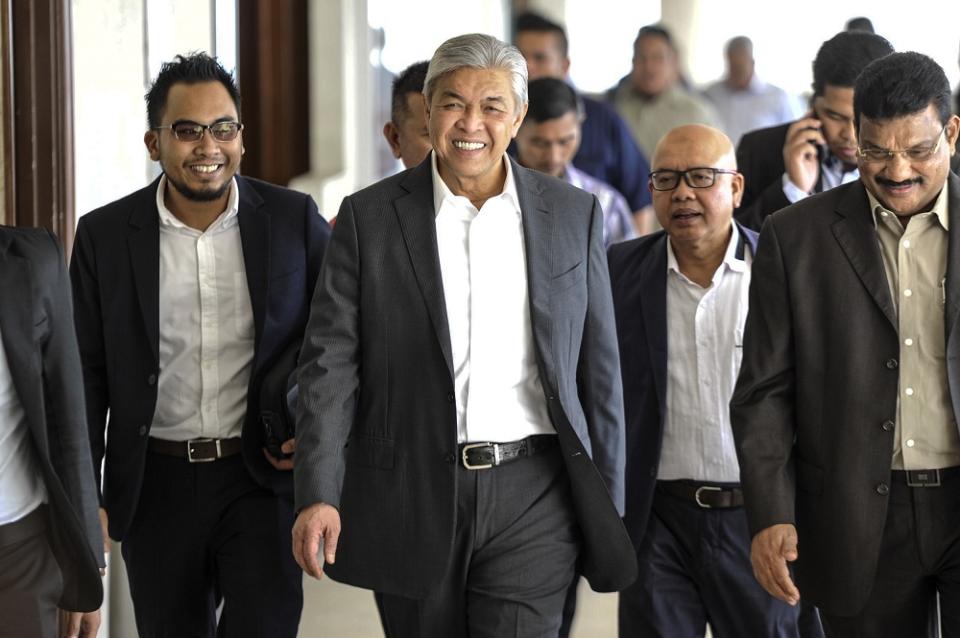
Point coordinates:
[(185, 294), (845, 413)]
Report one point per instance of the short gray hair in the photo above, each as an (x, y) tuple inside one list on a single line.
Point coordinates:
[(478, 51)]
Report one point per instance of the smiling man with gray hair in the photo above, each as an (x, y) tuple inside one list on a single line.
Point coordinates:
[(460, 432)]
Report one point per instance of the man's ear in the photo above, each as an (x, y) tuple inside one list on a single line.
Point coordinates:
[(151, 140), (392, 135)]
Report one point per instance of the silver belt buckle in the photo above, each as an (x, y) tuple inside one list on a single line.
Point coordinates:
[(925, 478), (485, 466), (190, 457), (709, 488)]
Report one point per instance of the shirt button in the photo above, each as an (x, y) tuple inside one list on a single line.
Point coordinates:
[(883, 489), (892, 364), (551, 398), (907, 293), (450, 398), (908, 341), (909, 392), (142, 430), (911, 442), (152, 379), (906, 243), (888, 426), (450, 458)]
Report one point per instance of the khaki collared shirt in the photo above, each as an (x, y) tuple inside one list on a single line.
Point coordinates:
[(915, 261)]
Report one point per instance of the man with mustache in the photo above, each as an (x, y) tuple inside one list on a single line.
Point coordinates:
[(845, 412)]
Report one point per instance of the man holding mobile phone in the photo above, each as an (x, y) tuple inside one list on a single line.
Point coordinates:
[(783, 164)]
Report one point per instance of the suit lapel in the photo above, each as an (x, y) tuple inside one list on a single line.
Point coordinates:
[(652, 284), (143, 242), (417, 219), (255, 239), (857, 237), (538, 228), (16, 319)]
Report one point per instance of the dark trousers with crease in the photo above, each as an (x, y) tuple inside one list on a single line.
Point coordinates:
[(30, 579), (694, 570), (919, 558), (205, 532), (515, 548)]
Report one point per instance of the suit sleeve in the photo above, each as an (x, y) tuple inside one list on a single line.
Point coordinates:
[(88, 320), (329, 369), (598, 373), (63, 386), (762, 409)]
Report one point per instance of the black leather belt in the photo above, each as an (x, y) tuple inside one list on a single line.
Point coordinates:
[(197, 450), (925, 478), (482, 456), (704, 495)]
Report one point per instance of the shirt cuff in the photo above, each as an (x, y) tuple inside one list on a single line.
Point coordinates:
[(793, 192)]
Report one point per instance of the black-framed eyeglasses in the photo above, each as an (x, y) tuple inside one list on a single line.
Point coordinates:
[(226, 131), (696, 177), (875, 154)]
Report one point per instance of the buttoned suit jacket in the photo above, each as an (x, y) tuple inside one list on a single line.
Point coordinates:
[(760, 159), (638, 276), (115, 271), (41, 349), (817, 391), (378, 424)]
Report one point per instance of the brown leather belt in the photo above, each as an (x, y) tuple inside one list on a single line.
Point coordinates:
[(704, 495), (196, 450)]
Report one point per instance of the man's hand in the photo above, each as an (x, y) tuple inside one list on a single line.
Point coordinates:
[(770, 551), (800, 152), (288, 447), (315, 524), (77, 624)]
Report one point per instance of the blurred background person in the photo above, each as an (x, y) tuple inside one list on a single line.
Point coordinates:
[(406, 132), (547, 142), (651, 98), (607, 150), (742, 99)]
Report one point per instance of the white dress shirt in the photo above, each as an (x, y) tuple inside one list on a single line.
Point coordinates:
[(484, 271), (206, 327), (21, 485), (704, 348)]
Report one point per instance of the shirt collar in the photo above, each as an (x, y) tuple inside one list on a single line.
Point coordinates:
[(940, 208), (167, 218), (735, 258), (442, 193)]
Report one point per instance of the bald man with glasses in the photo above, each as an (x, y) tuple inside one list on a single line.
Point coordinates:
[(680, 299)]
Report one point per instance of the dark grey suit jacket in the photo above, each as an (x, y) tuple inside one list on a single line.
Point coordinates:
[(41, 347), (818, 382), (376, 432)]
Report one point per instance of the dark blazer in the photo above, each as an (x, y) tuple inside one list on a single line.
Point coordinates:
[(818, 385), (41, 349), (638, 276), (116, 283), (377, 424), (760, 159)]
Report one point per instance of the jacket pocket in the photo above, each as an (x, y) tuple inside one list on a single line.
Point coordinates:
[(568, 279)]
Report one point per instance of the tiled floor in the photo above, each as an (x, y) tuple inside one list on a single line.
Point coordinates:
[(339, 611)]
